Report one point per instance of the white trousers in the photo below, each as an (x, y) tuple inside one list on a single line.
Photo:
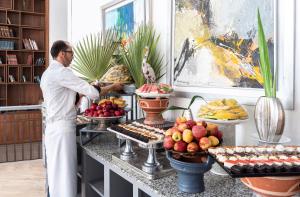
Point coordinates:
[(61, 153)]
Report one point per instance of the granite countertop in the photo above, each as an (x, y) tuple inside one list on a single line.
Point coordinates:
[(103, 147)]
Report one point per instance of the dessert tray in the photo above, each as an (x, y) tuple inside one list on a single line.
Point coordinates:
[(138, 132), (258, 161)]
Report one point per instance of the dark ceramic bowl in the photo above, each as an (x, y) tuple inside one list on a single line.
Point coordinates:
[(190, 175)]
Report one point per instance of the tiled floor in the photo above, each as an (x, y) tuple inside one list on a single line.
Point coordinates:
[(23, 178)]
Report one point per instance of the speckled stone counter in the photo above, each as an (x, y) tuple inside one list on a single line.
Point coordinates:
[(103, 147)]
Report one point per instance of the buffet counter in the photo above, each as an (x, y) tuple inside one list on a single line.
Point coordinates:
[(103, 176)]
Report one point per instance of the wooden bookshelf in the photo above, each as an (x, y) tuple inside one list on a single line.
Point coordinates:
[(24, 35)]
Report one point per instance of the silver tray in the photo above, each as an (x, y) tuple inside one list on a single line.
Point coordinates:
[(103, 118)]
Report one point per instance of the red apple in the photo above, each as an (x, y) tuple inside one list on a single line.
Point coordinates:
[(106, 114), (176, 136), (180, 120), (93, 106), (190, 124), (98, 107), (168, 142), (199, 132), (182, 126), (117, 113), (180, 146), (192, 147), (202, 123), (168, 132), (212, 129), (219, 135), (204, 143)]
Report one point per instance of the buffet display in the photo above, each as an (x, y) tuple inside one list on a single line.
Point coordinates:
[(258, 161)]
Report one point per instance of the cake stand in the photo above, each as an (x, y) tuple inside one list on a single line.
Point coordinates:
[(228, 127)]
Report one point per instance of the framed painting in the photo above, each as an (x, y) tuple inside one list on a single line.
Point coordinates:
[(124, 15), (215, 51)]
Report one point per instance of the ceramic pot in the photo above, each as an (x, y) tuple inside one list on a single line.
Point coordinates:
[(190, 175), (269, 119), (153, 108), (273, 186)]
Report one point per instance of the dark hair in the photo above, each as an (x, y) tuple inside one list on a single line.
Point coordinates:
[(57, 47)]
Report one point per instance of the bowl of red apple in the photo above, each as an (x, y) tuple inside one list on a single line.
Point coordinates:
[(112, 108), (186, 144)]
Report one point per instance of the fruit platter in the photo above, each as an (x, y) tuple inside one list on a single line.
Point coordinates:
[(258, 161), (189, 138), (154, 90), (106, 112), (223, 111)]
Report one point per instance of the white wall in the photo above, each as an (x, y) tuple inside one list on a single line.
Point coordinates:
[(83, 11)]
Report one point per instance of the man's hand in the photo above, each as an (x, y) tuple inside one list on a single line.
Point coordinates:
[(112, 87)]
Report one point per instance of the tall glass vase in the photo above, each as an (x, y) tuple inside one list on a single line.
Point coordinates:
[(269, 119)]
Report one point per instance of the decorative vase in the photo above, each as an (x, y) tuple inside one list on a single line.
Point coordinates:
[(273, 186), (190, 175), (269, 119), (153, 109)]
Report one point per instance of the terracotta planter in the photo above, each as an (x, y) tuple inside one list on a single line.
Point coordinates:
[(273, 186), (153, 109)]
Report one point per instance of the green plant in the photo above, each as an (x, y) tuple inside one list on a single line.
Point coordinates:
[(184, 108), (265, 67), (133, 54), (93, 55)]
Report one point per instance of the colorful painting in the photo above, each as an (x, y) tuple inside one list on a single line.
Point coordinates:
[(215, 42), (121, 18), (124, 15)]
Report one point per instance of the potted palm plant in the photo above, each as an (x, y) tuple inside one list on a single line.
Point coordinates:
[(94, 55), (269, 113)]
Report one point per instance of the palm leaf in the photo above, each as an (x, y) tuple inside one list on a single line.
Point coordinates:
[(193, 99), (93, 55), (269, 84), (132, 54)]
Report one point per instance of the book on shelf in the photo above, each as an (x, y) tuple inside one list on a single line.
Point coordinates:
[(40, 61), (8, 21), (11, 78), (30, 44), (26, 43), (29, 59), (12, 59)]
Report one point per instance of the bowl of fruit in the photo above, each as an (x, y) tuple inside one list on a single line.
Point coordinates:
[(187, 143), (106, 109)]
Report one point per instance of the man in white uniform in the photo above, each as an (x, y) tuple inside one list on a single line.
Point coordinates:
[(59, 86)]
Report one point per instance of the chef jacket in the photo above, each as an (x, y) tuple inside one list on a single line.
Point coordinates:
[(59, 85)]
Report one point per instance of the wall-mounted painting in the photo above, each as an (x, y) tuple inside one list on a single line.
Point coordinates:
[(124, 15), (215, 46)]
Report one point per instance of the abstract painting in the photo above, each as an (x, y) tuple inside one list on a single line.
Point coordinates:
[(123, 15), (215, 42)]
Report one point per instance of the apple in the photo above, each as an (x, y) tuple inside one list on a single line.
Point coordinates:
[(114, 106), (190, 124), (168, 142), (175, 124), (182, 126), (219, 135), (201, 123), (187, 135), (214, 140), (106, 114), (180, 146), (180, 119), (192, 147), (176, 136), (199, 131), (117, 113), (122, 111), (93, 106), (204, 143), (212, 129), (169, 132)]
